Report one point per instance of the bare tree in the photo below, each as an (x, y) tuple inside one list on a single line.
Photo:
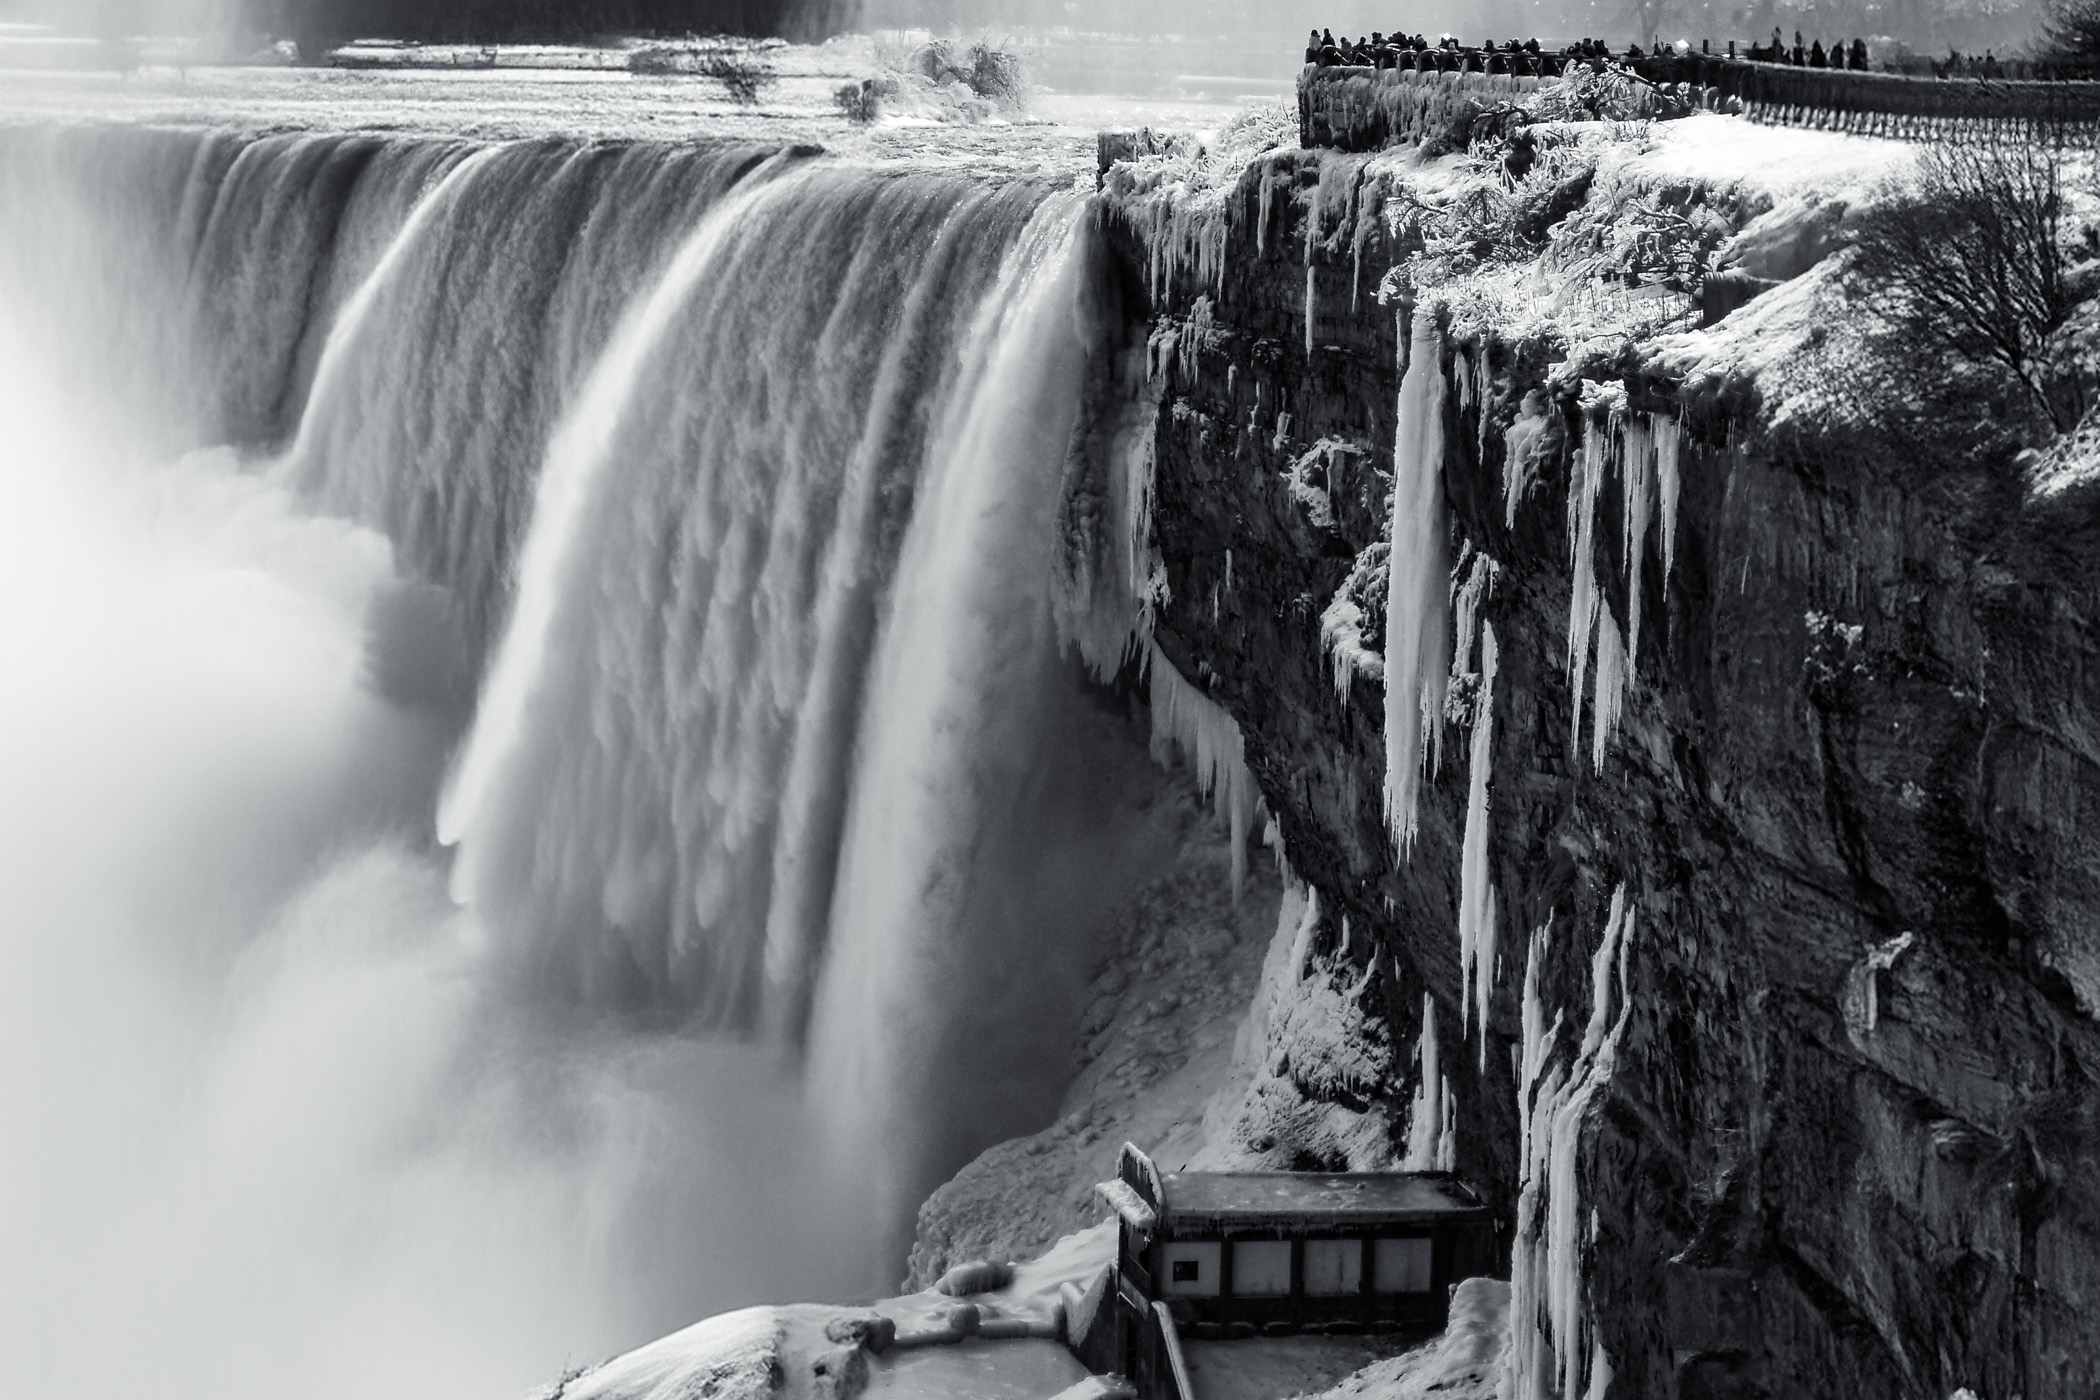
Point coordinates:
[(1975, 265), (2070, 38)]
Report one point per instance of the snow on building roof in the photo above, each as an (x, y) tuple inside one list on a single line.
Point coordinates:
[(1243, 1199)]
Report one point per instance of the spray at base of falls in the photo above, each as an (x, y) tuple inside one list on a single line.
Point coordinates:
[(273, 1119)]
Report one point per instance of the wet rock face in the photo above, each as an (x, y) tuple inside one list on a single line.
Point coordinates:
[(1849, 1145)]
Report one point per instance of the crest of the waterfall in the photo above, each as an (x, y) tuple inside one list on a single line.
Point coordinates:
[(446, 372), (952, 738)]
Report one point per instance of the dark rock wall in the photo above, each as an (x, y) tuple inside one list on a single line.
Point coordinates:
[(1862, 712)]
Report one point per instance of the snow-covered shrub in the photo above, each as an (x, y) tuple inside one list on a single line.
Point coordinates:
[(744, 76), (997, 76), (861, 100), (740, 68)]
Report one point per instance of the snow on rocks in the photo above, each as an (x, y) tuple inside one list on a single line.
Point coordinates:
[(1311, 1060), (1463, 1362), (1181, 203), (804, 1352)]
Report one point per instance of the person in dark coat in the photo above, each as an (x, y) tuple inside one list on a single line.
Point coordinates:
[(1312, 47)]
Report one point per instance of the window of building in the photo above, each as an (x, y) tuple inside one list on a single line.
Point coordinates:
[(1261, 1268), (1400, 1266), (1334, 1267), (1189, 1268)]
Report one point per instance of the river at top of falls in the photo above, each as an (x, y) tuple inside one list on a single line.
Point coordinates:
[(543, 797)]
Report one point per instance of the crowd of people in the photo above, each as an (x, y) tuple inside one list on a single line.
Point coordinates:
[(1814, 55), (1525, 56)]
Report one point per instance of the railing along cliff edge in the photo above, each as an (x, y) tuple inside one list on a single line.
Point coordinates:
[(1357, 108)]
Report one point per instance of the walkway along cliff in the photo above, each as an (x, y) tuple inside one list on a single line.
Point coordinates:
[(1687, 733)]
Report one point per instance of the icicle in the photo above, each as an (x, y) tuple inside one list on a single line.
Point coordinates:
[(1476, 899), (1261, 223), (1480, 573), (1637, 466), (1600, 1371), (1417, 622), (1447, 1140), (1301, 940), (1547, 1314), (1583, 600), (1521, 446), (1426, 1125), (1610, 699), (1483, 396), (1196, 335), (1527, 1362), (1185, 717), (1669, 435), (1308, 304)]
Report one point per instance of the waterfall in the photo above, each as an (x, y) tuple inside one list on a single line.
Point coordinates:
[(711, 499)]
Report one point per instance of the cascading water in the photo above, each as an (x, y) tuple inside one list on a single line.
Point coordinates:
[(735, 477)]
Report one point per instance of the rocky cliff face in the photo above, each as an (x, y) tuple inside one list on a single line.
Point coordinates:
[(1841, 1141)]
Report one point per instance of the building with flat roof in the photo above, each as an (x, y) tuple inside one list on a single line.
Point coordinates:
[(1232, 1254)]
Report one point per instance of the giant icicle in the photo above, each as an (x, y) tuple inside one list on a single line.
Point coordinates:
[(1669, 436), (1184, 717), (1638, 457), (1476, 899), (1417, 619), (1584, 597), (1547, 1358), (1431, 1128)]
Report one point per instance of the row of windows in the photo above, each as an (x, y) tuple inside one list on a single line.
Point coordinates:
[(1262, 1268)]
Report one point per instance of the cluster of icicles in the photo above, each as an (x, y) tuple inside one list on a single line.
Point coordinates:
[(1435, 628)]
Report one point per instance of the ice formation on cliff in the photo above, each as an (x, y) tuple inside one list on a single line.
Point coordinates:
[(1184, 717), (1613, 669), (1476, 899), (1417, 623), (1638, 459), (1547, 1312), (1669, 435), (1342, 623), (1583, 597), (1521, 447), (1432, 1144)]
